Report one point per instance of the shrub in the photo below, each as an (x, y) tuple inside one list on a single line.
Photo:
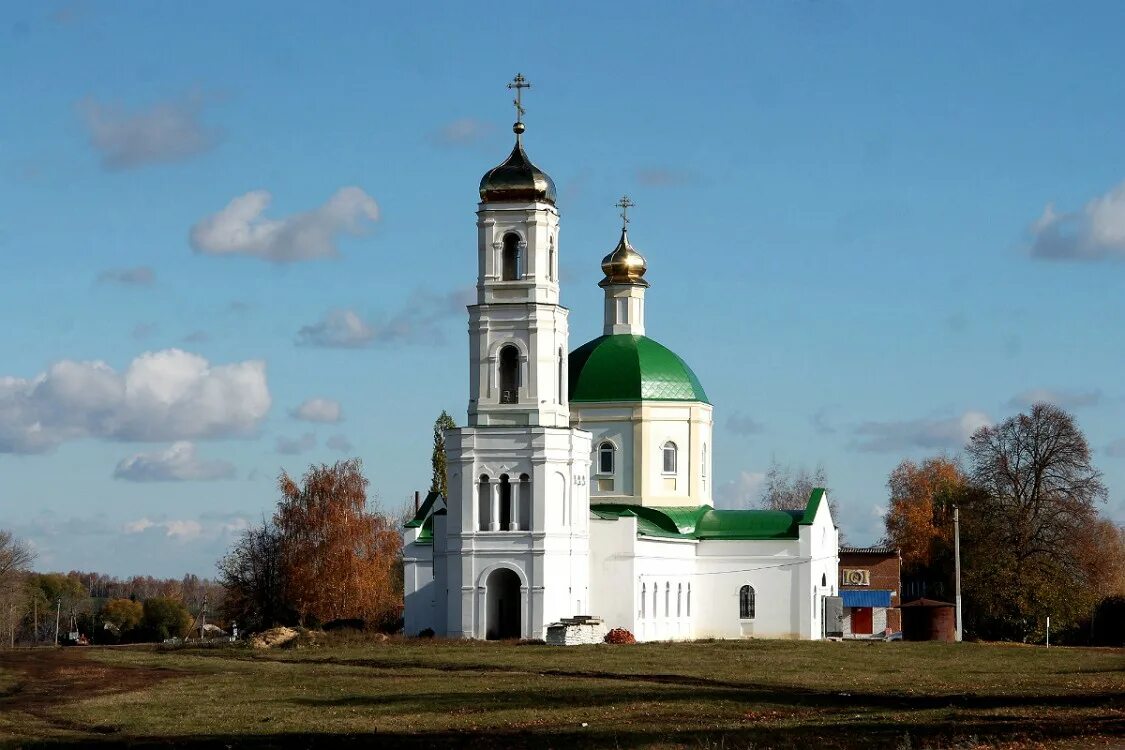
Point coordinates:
[(164, 618)]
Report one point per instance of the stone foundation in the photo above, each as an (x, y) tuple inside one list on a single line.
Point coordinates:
[(576, 631)]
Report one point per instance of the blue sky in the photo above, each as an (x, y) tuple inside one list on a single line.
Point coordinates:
[(870, 228)]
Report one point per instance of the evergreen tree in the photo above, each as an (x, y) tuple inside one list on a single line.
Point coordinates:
[(440, 483)]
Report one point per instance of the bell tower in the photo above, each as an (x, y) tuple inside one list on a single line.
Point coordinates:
[(513, 544), (518, 329)]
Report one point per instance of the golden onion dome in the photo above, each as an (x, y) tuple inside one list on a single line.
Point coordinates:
[(517, 179), (624, 265)]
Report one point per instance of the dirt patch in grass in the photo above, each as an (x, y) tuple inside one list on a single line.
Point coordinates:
[(402, 693), (42, 680)]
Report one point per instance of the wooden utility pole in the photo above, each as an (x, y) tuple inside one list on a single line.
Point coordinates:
[(58, 612), (203, 618)]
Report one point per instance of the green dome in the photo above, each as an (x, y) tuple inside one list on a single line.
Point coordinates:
[(631, 368)]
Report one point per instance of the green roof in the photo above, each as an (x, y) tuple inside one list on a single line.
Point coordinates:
[(705, 522), (424, 510), (625, 367), (425, 518)]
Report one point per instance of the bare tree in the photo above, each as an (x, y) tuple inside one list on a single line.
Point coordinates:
[(1036, 495), (253, 580), (789, 489), (15, 557)]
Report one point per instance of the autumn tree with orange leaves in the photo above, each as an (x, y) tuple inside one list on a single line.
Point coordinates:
[(919, 519), (338, 555)]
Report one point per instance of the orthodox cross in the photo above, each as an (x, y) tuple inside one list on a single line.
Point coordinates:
[(624, 204), (518, 83)]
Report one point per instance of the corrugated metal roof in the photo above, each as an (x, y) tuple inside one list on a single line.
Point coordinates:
[(869, 598), (868, 550)]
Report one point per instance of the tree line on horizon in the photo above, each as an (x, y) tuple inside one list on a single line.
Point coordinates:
[(1034, 545), (101, 607)]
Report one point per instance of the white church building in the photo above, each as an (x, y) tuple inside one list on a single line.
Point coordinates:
[(582, 483)]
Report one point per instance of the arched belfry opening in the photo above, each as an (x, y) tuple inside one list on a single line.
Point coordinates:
[(505, 503), (509, 375), (502, 599), (510, 269)]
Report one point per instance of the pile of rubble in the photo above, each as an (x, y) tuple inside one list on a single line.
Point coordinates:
[(273, 638), (575, 631)]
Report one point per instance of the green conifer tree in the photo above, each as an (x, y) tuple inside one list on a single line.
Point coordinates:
[(440, 481)]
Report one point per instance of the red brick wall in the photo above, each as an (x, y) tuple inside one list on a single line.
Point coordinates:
[(884, 569)]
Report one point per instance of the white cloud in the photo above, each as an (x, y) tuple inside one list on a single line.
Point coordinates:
[(743, 424), (465, 131), (339, 443), (420, 321), (180, 530), (930, 434), (1116, 448), (178, 463), (167, 131), (1066, 399), (659, 176), (183, 529), (241, 229), (140, 276), (742, 492), (138, 526), (1097, 232), (318, 410), (342, 329), (293, 446), (164, 395)]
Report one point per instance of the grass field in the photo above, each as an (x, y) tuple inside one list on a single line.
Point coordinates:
[(689, 695)]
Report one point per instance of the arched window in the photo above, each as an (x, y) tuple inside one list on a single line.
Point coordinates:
[(525, 502), (484, 503), (644, 600), (510, 258), (667, 599), (669, 457), (689, 600), (823, 579), (746, 602), (551, 262), (505, 503), (606, 453), (509, 375), (655, 588), (679, 600)]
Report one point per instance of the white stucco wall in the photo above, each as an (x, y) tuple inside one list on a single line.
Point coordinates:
[(551, 556), (639, 431), (417, 584)]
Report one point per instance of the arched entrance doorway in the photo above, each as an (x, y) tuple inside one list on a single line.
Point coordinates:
[(502, 596)]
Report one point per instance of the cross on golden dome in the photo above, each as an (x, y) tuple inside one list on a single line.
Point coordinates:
[(519, 83), (624, 204)]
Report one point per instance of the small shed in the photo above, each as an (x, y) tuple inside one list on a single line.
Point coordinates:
[(928, 620)]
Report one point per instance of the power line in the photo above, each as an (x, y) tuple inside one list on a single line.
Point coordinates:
[(740, 570)]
